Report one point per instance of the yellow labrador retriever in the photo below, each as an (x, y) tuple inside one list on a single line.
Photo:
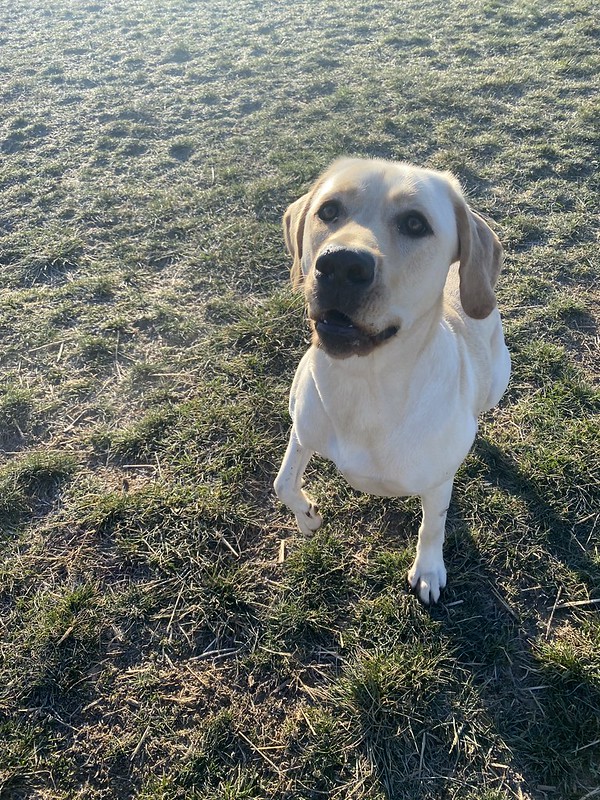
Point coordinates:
[(407, 348)]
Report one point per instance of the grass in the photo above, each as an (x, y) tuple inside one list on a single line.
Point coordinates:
[(152, 644)]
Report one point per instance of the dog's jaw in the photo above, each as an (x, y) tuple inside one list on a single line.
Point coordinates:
[(340, 337)]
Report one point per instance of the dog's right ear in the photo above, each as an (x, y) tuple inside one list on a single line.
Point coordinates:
[(293, 232)]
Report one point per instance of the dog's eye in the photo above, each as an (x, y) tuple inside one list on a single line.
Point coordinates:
[(413, 224), (329, 211)]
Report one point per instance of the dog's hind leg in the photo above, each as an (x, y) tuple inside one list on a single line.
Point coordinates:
[(428, 573), (288, 485)]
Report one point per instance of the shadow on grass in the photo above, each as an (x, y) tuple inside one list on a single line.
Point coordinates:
[(540, 688), (514, 689), (559, 530)]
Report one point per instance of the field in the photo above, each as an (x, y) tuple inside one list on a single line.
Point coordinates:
[(153, 641)]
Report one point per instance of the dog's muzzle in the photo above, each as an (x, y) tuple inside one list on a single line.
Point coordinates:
[(342, 280)]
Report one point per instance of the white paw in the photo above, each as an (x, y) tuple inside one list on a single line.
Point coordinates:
[(427, 577), (309, 521)]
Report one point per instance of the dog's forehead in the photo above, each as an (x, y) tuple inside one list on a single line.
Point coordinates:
[(396, 183)]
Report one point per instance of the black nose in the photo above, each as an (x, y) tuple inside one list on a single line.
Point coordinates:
[(345, 268)]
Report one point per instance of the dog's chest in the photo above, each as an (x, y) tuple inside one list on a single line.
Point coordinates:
[(379, 455), (385, 438)]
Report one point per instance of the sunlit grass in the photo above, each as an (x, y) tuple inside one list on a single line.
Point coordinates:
[(165, 631)]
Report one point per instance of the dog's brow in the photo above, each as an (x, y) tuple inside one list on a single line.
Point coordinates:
[(407, 193), (349, 190)]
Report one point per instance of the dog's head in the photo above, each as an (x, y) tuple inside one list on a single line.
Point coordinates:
[(372, 242)]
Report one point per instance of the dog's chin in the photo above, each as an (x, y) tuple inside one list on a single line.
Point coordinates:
[(341, 337)]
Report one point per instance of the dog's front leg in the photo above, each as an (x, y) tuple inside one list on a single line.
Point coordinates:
[(428, 573), (288, 485)]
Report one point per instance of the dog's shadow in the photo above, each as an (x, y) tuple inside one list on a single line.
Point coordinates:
[(542, 527), (501, 613)]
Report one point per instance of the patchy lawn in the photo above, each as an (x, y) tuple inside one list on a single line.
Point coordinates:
[(152, 645)]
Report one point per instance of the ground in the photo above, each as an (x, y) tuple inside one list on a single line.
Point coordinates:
[(157, 639)]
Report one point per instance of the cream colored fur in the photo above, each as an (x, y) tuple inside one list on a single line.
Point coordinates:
[(399, 420)]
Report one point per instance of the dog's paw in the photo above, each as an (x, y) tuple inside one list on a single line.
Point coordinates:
[(309, 521), (427, 577)]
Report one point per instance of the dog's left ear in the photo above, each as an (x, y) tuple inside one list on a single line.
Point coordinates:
[(480, 259), (293, 233)]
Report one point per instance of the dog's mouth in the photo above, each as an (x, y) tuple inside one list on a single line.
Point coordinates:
[(341, 336)]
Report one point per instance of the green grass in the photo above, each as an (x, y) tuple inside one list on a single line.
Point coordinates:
[(152, 645)]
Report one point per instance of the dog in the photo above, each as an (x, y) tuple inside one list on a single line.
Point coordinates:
[(407, 343)]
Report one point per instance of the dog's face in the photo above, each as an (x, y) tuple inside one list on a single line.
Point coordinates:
[(373, 241)]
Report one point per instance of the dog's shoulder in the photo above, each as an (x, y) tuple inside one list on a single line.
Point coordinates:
[(481, 343)]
